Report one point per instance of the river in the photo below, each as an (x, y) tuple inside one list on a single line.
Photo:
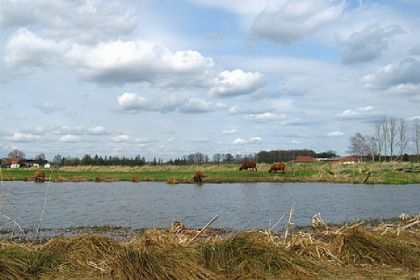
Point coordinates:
[(240, 206)]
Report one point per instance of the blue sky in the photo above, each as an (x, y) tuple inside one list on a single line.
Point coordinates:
[(170, 78)]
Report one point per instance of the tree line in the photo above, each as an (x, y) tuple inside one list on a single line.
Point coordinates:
[(389, 141), (195, 158)]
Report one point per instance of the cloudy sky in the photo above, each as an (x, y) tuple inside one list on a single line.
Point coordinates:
[(167, 78)]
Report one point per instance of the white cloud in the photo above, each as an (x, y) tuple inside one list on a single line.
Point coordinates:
[(23, 137), (131, 102), (404, 74), (25, 52), (198, 105), (230, 131), (67, 130), (97, 130), (266, 117), (295, 20), (247, 141), (120, 138), (368, 44), (69, 139), (335, 134), (237, 82), (357, 112), (124, 62)]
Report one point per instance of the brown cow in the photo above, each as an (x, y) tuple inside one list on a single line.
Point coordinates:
[(39, 176), (277, 166), (198, 177), (249, 164)]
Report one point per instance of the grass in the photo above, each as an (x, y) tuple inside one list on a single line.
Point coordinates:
[(347, 252), (381, 173)]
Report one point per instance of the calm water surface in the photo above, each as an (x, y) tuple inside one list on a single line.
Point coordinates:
[(240, 206)]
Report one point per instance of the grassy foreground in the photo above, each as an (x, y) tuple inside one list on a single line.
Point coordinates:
[(386, 251), (373, 173)]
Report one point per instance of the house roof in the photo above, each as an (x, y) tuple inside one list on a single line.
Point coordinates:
[(304, 159), (11, 160)]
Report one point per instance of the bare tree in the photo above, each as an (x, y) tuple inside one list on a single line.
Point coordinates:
[(416, 137), (392, 134), (358, 146), (372, 146), (403, 139), (379, 138), (16, 154), (217, 158), (385, 134)]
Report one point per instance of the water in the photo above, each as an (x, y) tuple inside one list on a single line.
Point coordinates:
[(239, 206)]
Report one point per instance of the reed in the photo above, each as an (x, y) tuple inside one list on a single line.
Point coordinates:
[(350, 251)]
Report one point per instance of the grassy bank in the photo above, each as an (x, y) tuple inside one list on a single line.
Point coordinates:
[(349, 252), (373, 173)]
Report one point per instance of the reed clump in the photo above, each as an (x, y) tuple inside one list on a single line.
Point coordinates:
[(351, 251)]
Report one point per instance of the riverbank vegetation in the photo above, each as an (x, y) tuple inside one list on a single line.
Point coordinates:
[(355, 251), (370, 173)]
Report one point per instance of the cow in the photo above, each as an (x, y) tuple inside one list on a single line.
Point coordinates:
[(248, 164), (39, 176), (198, 177), (277, 166)]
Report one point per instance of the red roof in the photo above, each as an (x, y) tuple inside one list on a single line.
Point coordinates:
[(302, 159), (11, 160)]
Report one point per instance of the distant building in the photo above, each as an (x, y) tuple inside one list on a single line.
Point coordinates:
[(343, 160), (304, 159), (11, 162)]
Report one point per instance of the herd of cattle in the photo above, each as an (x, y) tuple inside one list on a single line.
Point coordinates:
[(39, 176), (198, 178)]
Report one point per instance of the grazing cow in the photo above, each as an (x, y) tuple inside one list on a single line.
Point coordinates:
[(198, 177), (249, 164), (39, 176), (277, 166)]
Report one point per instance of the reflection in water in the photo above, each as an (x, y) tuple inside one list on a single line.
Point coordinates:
[(240, 206)]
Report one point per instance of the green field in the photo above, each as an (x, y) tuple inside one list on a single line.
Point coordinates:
[(376, 173)]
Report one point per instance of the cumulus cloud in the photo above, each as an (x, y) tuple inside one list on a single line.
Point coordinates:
[(335, 134), (23, 137), (265, 117), (133, 103), (120, 138), (368, 44), (295, 20), (83, 21), (69, 139), (198, 105), (123, 62), (25, 52), (359, 112), (230, 131), (399, 77), (67, 130), (247, 141), (237, 82), (97, 130)]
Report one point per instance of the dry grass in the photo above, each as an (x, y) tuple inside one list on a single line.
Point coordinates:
[(349, 252)]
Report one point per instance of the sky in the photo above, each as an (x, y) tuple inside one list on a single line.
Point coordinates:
[(168, 78)]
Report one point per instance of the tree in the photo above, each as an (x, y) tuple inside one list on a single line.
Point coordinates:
[(217, 158), (16, 154), (403, 139), (379, 137), (392, 135), (416, 137), (385, 134), (371, 146), (228, 158), (57, 160), (358, 145)]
